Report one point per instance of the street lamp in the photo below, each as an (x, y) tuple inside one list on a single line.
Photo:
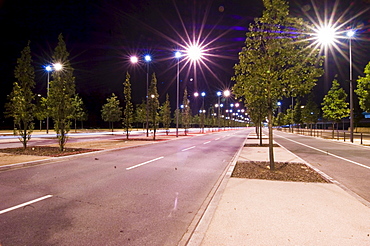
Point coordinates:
[(147, 59), (49, 68), (203, 94), (177, 56), (350, 35)]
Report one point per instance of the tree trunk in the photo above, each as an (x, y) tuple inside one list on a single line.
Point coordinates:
[(271, 140), (260, 132)]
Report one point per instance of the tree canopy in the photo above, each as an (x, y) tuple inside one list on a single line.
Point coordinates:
[(20, 106), (276, 61)]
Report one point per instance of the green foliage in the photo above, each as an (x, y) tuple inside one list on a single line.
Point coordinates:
[(297, 113), (41, 109), (111, 111), (310, 112), (186, 112), (334, 105), (363, 89), (128, 111), (165, 114), (140, 113), (61, 93), (275, 61), (153, 104), (78, 113), (20, 106)]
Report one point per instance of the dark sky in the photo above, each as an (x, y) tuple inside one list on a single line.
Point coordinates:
[(101, 35)]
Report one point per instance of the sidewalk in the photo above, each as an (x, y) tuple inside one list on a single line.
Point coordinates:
[(262, 212)]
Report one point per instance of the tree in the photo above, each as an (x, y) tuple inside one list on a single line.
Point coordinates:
[(41, 109), (275, 61), (310, 112), (334, 105), (153, 104), (111, 111), (363, 89), (297, 113), (165, 114), (61, 93), (79, 112), (140, 113), (186, 115), (20, 106), (128, 111)]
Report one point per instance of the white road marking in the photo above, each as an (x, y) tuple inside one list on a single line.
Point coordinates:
[(25, 204), (144, 163), (207, 142), (325, 152), (188, 148), (217, 139)]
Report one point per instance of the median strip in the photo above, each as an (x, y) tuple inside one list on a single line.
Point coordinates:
[(25, 204), (144, 163)]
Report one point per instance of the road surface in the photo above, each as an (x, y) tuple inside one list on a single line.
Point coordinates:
[(147, 195)]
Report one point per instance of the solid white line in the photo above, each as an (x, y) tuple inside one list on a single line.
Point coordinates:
[(188, 148), (325, 152), (207, 142), (217, 139), (25, 204), (141, 164)]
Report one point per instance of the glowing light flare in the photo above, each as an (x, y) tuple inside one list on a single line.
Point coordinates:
[(326, 35), (194, 52), (134, 59), (58, 66)]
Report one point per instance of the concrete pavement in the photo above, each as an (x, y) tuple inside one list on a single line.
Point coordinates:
[(262, 212)]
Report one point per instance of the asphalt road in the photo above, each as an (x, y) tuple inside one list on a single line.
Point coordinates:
[(346, 163), (147, 195)]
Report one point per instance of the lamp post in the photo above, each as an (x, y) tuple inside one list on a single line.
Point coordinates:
[(147, 59), (177, 55), (219, 93), (350, 34), (48, 69), (203, 94)]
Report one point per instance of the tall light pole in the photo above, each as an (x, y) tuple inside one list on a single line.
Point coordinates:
[(48, 69), (177, 55), (219, 93), (350, 34), (203, 94), (147, 59)]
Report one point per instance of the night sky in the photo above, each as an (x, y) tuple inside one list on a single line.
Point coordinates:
[(101, 35)]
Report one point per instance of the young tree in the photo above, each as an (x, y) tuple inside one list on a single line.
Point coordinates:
[(297, 113), (363, 89), (20, 106), (140, 114), (334, 105), (79, 112), (111, 111), (40, 110), (153, 104), (165, 114), (310, 112), (61, 93), (128, 111), (276, 60), (186, 112)]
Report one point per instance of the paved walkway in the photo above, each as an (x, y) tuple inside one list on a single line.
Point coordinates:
[(262, 212)]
